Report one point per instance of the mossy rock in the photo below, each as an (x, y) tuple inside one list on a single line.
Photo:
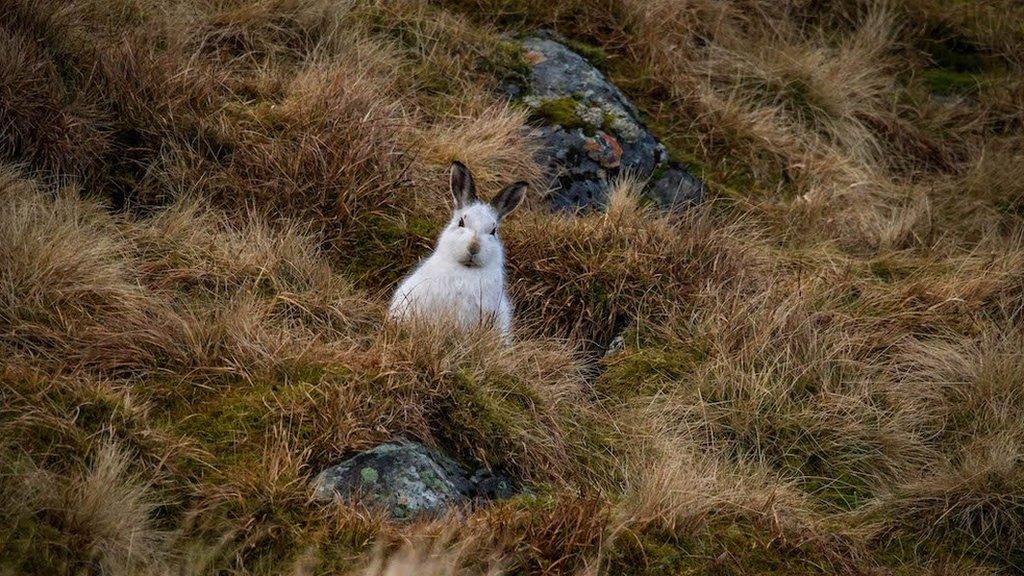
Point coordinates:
[(591, 132), (407, 480), (559, 111)]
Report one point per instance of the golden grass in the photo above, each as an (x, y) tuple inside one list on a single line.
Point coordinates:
[(204, 205)]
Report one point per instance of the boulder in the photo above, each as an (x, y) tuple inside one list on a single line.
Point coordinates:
[(592, 132), (407, 480)]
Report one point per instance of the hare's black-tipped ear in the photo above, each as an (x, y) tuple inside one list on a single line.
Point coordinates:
[(463, 185), (509, 198)]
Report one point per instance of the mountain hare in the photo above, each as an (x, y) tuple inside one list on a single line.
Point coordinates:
[(464, 279)]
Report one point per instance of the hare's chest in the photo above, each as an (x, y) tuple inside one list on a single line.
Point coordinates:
[(470, 297)]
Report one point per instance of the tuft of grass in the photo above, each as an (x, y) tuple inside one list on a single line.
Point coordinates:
[(615, 265), (104, 516)]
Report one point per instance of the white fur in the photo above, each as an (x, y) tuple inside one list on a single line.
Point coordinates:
[(452, 284)]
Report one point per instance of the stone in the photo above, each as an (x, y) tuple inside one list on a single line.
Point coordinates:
[(618, 344), (490, 486), (676, 188), (408, 480), (591, 133)]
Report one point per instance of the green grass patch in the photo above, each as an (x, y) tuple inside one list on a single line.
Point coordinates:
[(950, 82), (377, 250), (647, 371)]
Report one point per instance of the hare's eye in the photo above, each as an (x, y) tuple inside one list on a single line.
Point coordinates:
[(494, 231), (462, 222)]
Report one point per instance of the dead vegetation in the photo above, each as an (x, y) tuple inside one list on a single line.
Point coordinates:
[(204, 205)]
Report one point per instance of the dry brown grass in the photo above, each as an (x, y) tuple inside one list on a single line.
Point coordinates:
[(588, 276), (104, 512), (204, 205)]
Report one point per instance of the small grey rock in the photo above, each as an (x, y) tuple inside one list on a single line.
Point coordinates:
[(618, 344), (676, 188), (407, 479), (491, 486)]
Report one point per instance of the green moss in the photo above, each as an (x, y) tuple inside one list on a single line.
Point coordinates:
[(38, 545), (888, 269), (909, 554), (723, 177), (228, 419), (651, 554), (504, 423), (608, 122), (232, 424), (954, 52), (659, 171), (261, 117), (1010, 206), (647, 371), (739, 547), (87, 413), (341, 546), (507, 62), (376, 251), (487, 420), (845, 493), (561, 111), (798, 93), (307, 372), (948, 82), (594, 54)]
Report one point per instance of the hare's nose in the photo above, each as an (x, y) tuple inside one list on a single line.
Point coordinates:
[(474, 246)]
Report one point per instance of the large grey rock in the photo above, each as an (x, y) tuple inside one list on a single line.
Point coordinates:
[(592, 132), (407, 479)]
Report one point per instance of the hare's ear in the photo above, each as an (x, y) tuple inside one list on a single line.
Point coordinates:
[(509, 198), (463, 186)]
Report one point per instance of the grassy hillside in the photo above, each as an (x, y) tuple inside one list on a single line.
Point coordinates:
[(205, 203)]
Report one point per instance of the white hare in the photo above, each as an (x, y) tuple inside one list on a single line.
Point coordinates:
[(464, 279)]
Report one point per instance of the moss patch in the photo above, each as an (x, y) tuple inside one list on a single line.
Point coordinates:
[(740, 547), (378, 250), (561, 111), (949, 82), (646, 371), (888, 269), (593, 53), (954, 52), (507, 62), (486, 420)]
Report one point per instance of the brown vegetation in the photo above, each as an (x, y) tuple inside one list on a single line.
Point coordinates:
[(204, 205)]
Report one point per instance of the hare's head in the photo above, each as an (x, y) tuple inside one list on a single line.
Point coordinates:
[(471, 237)]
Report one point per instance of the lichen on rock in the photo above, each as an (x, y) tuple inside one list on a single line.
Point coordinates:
[(407, 479), (591, 132)]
